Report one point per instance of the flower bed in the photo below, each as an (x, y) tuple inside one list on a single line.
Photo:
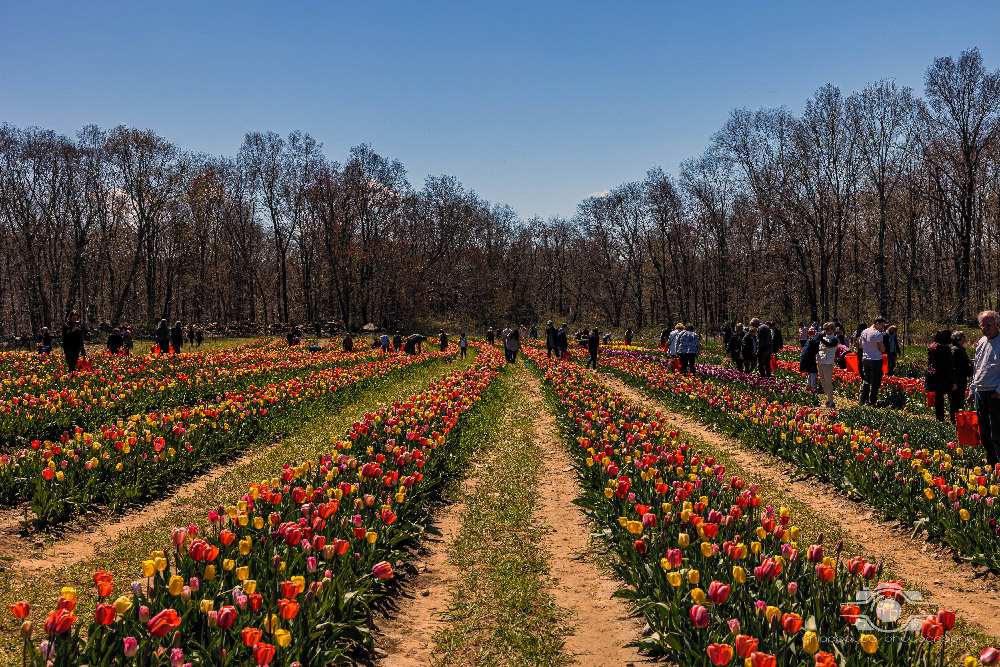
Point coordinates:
[(287, 575), (129, 460), (717, 574)]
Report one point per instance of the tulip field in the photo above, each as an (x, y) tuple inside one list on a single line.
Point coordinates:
[(294, 567)]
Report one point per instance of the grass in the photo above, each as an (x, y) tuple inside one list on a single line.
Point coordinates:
[(499, 613), (964, 640), (122, 557)]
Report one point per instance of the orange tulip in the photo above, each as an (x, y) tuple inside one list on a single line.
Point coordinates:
[(288, 608), (59, 622), (720, 654), (251, 636), (263, 653), (791, 623), (20, 609), (161, 624), (745, 646)]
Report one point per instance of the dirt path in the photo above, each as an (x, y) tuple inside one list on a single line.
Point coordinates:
[(77, 544), (603, 625), (971, 592), (407, 638)]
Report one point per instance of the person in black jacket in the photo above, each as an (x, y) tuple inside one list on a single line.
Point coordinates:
[(940, 371), (779, 340), (628, 336), (748, 349), (73, 345), (115, 341), (163, 337), (177, 336), (397, 342), (443, 339), (550, 338), (733, 345), (593, 344), (765, 348), (562, 341), (962, 366)]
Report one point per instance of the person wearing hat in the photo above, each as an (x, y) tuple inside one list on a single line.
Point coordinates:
[(444, 341), (807, 359), (550, 338), (562, 341)]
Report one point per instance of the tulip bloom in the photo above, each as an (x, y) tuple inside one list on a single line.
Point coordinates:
[(791, 623), (131, 646), (288, 608), (869, 643), (251, 636), (104, 614), (382, 570), (720, 654), (931, 630), (946, 618), (810, 642), (20, 609), (226, 617), (763, 660), (824, 659), (850, 613), (718, 592), (263, 653), (59, 622), (699, 616), (990, 656), (161, 624)]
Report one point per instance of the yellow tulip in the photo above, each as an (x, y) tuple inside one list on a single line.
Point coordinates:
[(664, 563), (160, 564), (271, 623), (228, 564), (371, 536), (674, 578), (964, 513), (282, 638), (68, 592), (258, 522), (771, 612), (207, 605), (869, 643), (148, 568), (176, 585), (209, 572), (739, 575), (122, 605), (810, 642), (242, 572), (683, 539), (706, 549), (698, 595), (693, 577)]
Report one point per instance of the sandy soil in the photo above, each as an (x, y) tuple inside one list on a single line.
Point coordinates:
[(602, 623)]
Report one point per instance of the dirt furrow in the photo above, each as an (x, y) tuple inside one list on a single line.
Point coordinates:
[(602, 623), (406, 639), (970, 591)]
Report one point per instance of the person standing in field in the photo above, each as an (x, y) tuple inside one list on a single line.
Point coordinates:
[(443, 340), (893, 349), (765, 347), (114, 344), (985, 384), (628, 336), (962, 366), (593, 345), (826, 357), (562, 341), (664, 337), (940, 371), (199, 336), (489, 336), (463, 344), (777, 339), (44, 341), (748, 348), (809, 358), (397, 342), (803, 334), (512, 343), (191, 335), (733, 346), (688, 347), (348, 343), (163, 337), (385, 342), (550, 338), (872, 348), (73, 346), (127, 341), (672, 339), (177, 337)]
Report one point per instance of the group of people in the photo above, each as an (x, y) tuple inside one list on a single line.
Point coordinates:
[(752, 346), (171, 339), (510, 339), (681, 343)]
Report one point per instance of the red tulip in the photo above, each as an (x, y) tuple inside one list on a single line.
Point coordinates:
[(990, 656), (763, 660), (791, 623), (59, 622), (161, 624), (105, 614), (931, 630), (718, 592), (263, 653), (382, 570), (288, 608), (850, 613), (227, 616), (699, 616), (946, 618)]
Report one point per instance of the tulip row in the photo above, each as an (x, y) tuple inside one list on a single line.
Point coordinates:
[(903, 467), (912, 394), (132, 459), (286, 576), (39, 399), (720, 577)]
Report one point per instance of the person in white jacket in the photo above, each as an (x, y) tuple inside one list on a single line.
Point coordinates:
[(826, 357), (672, 339)]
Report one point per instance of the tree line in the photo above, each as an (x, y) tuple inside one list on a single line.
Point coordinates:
[(877, 200)]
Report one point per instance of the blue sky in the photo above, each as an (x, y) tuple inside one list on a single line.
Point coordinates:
[(533, 104)]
